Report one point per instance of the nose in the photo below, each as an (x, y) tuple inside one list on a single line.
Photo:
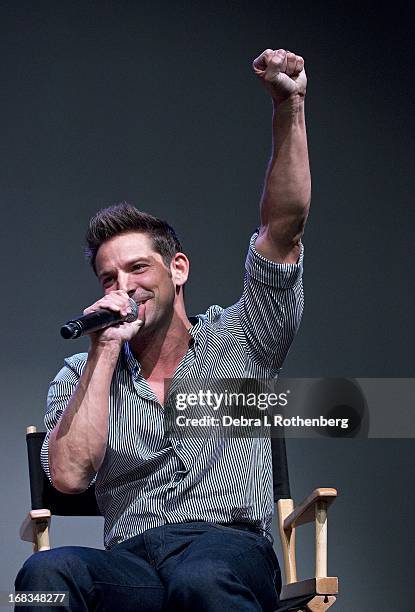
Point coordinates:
[(125, 284)]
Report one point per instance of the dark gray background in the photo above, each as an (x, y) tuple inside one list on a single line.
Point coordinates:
[(156, 103)]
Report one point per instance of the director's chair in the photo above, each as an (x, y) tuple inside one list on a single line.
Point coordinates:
[(313, 595)]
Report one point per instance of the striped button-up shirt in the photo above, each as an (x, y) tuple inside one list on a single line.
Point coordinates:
[(148, 479)]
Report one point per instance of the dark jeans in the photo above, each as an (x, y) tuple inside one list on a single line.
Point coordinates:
[(188, 566)]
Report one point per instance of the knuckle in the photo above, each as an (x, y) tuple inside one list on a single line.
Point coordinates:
[(92, 308), (275, 61), (112, 297), (265, 54)]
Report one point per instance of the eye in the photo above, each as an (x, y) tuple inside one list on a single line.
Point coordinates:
[(138, 267), (107, 281)]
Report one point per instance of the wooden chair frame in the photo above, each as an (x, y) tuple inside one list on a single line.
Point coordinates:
[(322, 588)]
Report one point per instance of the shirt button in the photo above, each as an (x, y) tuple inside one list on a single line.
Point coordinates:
[(177, 478), (179, 447)]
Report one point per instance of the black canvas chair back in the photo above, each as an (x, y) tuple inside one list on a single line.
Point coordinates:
[(280, 476), (43, 495)]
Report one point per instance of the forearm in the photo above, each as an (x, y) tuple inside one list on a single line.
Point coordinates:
[(287, 191), (78, 443)]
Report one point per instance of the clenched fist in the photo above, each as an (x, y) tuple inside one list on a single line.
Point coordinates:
[(116, 301), (282, 73)]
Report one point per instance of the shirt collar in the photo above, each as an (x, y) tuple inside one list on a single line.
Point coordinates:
[(130, 360), (197, 323), (134, 365)]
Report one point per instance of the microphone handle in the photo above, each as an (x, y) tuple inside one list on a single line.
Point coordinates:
[(89, 323), (95, 321)]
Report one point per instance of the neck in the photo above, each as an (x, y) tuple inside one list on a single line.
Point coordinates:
[(160, 351)]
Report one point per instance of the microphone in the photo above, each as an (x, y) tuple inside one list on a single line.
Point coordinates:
[(97, 320)]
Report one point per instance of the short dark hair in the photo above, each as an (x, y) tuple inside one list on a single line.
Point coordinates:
[(123, 218)]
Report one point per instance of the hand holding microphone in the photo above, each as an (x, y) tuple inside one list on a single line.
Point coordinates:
[(114, 308)]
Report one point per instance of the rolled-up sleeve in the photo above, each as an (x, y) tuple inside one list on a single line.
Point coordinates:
[(271, 306), (60, 392)]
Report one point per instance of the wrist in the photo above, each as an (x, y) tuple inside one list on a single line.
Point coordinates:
[(291, 105), (110, 348)]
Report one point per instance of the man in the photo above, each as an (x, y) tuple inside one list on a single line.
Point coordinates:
[(186, 522)]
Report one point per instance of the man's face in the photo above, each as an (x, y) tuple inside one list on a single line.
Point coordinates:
[(129, 263)]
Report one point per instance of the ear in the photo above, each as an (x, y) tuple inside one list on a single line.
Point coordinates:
[(179, 267)]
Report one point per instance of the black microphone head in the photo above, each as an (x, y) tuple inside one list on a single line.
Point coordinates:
[(70, 330)]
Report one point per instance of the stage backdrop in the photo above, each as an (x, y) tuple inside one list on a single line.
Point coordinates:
[(156, 104)]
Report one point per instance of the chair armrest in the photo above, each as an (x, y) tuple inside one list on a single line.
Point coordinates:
[(35, 528), (305, 511), (312, 586), (312, 509)]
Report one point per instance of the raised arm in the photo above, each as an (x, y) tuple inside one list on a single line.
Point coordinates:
[(287, 191)]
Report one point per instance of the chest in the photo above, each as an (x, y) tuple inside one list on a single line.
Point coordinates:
[(159, 387)]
